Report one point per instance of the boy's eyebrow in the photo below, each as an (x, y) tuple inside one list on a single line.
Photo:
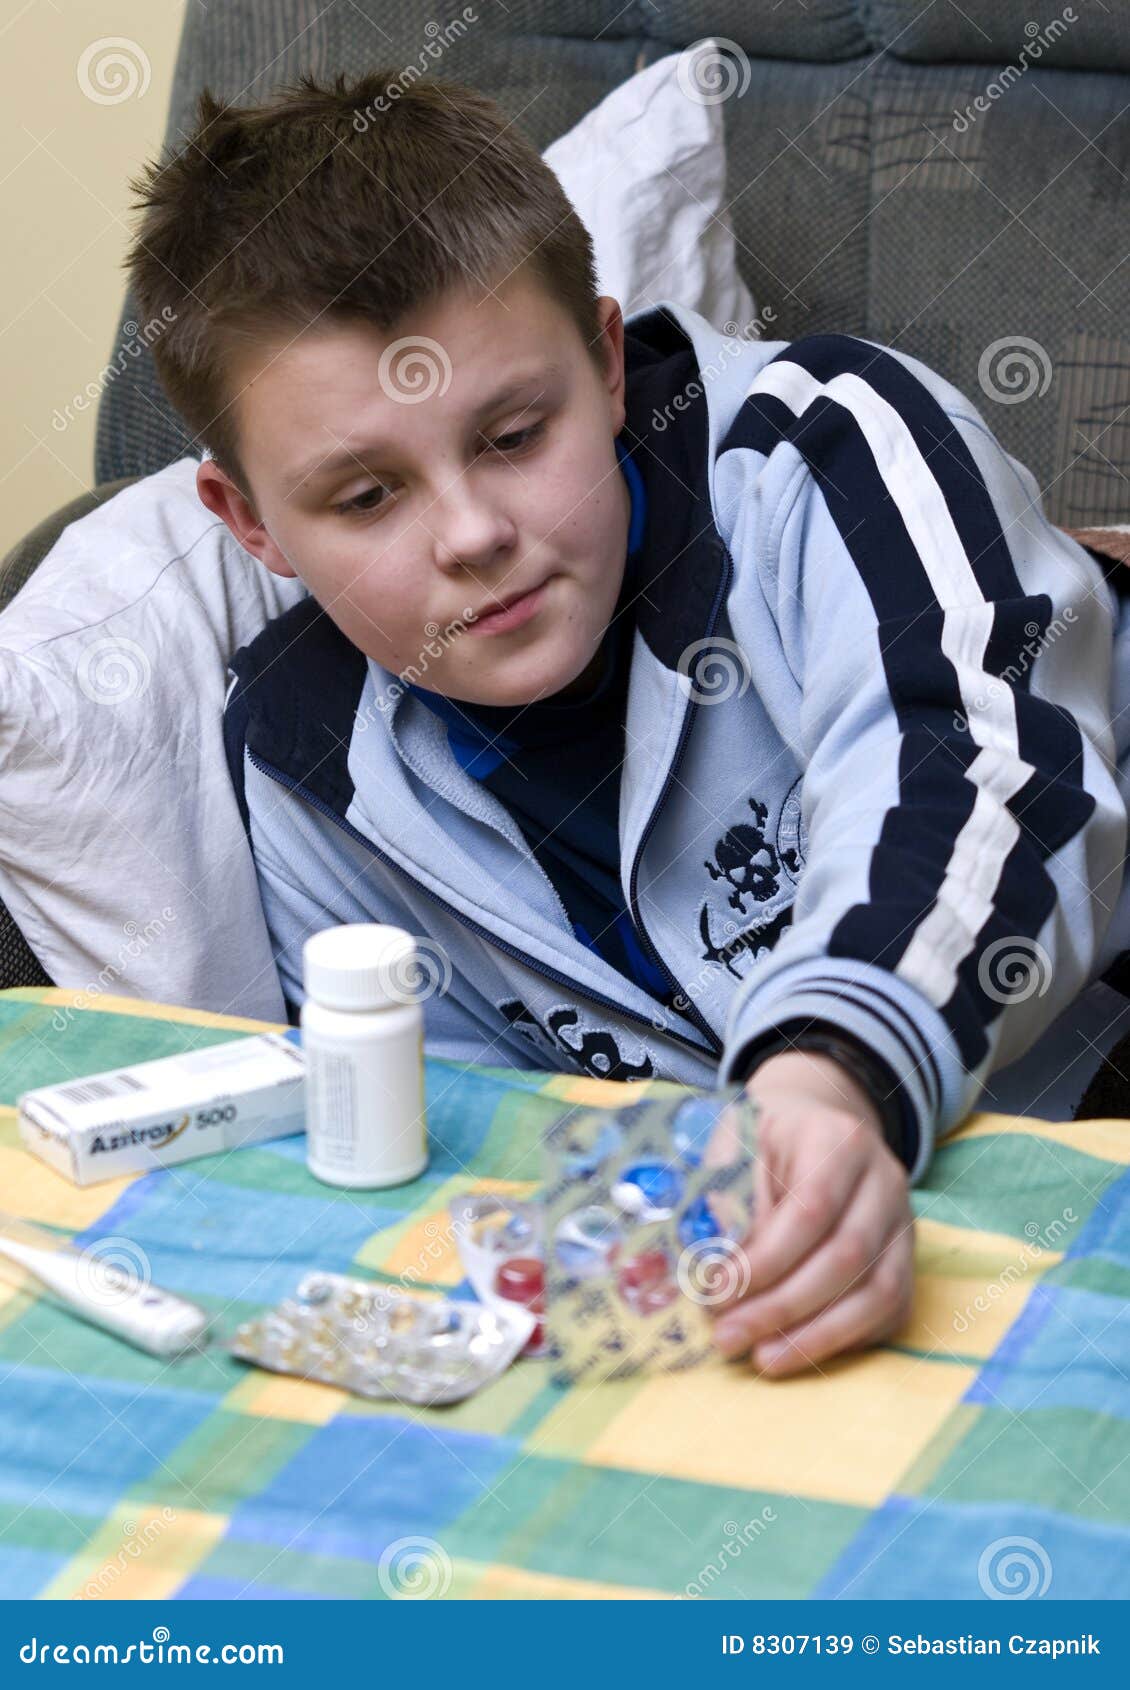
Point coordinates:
[(317, 468)]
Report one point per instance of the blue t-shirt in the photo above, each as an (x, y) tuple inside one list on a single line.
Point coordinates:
[(556, 767)]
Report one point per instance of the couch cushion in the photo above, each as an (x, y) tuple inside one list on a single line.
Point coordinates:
[(1084, 34), (122, 855)]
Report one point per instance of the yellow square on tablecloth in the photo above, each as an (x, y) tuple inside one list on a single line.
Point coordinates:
[(841, 1434)]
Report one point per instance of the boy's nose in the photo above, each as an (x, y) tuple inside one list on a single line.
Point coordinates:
[(471, 534)]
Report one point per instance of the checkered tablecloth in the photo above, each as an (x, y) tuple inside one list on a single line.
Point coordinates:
[(991, 1442)]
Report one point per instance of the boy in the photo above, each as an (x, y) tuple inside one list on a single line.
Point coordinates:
[(659, 679)]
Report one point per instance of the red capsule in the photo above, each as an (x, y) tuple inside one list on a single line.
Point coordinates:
[(522, 1280), (648, 1268), (646, 1283)]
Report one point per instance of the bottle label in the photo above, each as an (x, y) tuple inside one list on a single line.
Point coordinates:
[(331, 1108)]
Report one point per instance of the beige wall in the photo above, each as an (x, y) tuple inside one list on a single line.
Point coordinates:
[(64, 214)]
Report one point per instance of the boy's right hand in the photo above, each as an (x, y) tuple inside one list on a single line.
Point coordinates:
[(828, 1266)]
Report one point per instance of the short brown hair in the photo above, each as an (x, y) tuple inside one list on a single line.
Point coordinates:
[(306, 206)]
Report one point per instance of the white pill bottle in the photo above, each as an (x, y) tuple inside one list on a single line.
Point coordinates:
[(363, 1041)]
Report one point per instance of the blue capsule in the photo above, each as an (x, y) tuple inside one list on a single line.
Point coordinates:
[(648, 1190), (697, 1223)]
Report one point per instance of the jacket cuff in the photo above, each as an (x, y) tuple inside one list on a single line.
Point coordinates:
[(881, 1012), (864, 1066)]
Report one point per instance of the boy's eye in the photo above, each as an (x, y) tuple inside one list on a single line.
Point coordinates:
[(357, 506), (522, 438), (505, 443)]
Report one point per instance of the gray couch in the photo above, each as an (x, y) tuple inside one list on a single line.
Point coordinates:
[(946, 179)]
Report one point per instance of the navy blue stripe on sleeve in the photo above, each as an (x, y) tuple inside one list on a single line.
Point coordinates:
[(908, 1035), (1052, 805), (918, 522)]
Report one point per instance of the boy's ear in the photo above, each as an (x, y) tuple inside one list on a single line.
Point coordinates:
[(612, 344), (223, 498)]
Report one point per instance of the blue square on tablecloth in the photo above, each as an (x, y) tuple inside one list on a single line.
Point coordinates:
[(79, 1442), (205, 1237), (929, 1548), (358, 1485)]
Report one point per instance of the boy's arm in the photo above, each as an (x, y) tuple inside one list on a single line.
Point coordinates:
[(952, 657)]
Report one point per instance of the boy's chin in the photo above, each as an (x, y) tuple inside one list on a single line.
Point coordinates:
[(511, 682), (545, 685)]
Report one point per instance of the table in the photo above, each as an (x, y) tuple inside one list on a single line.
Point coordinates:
[(990, 1444)]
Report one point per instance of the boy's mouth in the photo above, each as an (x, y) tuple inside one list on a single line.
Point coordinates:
[(511, 615)]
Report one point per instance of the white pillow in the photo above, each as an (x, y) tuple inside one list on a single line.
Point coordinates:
[(122, 855), (646, 172)]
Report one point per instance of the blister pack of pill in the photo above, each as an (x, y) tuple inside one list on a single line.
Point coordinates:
[(381, 1341), (644, 1210), (500, 1246)]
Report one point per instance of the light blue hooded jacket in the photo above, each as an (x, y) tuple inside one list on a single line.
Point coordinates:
[(870, 775)]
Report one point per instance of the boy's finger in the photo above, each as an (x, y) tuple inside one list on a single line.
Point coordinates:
[(863, 1316), (805, 1213), (837, 1264)]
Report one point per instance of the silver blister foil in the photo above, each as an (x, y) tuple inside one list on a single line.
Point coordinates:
[(380, 1341)]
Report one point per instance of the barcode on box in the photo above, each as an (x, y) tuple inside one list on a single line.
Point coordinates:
[(95, 1091)]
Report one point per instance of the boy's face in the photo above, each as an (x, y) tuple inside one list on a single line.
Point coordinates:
[(459, 498)]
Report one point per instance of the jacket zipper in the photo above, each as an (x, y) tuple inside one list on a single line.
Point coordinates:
[(633, 899), (715, 1041), (325, 809)]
